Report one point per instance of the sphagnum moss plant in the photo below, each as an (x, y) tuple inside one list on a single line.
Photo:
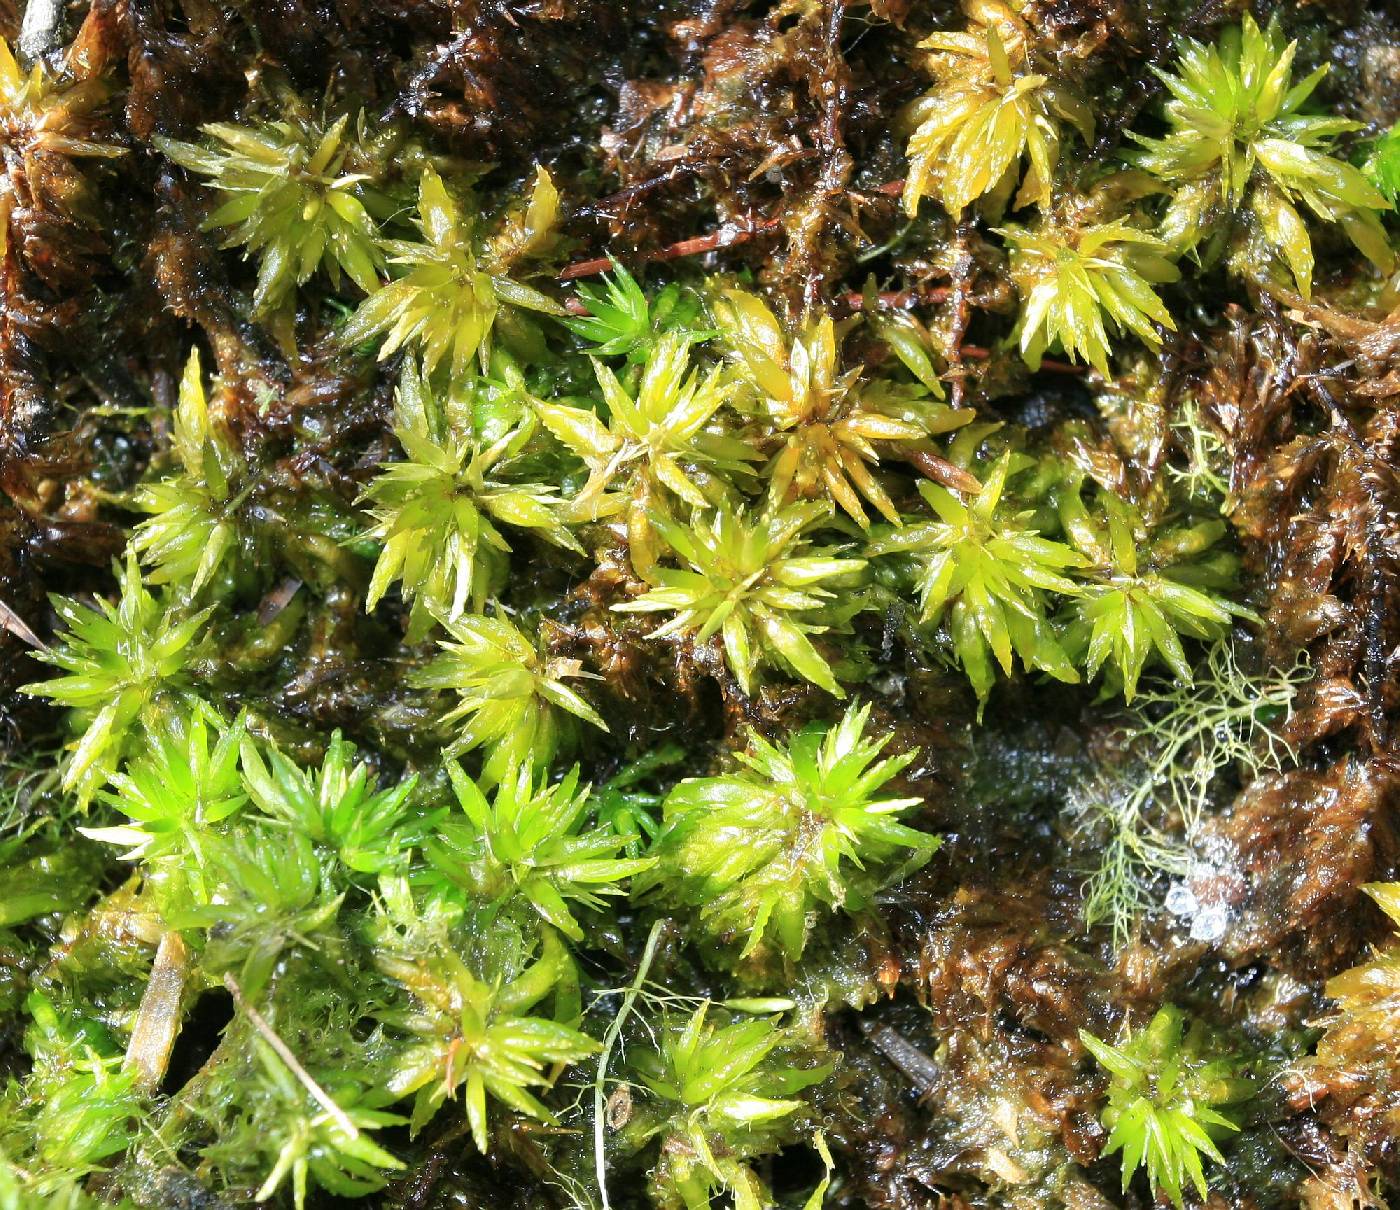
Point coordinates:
[(465, 1031), (1165, 1092), (436, 513), (300, 1141), (452, 282), (22, 1188), (622, 321), (314, 1146), (1359, 1052), (748, 580), (184, 783), (270, 895), (390, 948), (718, 1097), (1238, 144), (46, 123), (80, 1103), (124, 664), (797, 832), (998, 101), (338, 806), (193, 527), (984, 567), (656, 441), (825, 428), (40, 113), (1077, 284), (512, 699), (532, 839), (297, 194), (1141, 597)]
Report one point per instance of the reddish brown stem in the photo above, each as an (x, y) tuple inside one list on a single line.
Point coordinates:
[(727, 236), (940, 470)]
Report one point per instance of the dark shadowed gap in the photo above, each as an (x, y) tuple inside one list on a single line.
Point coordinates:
[(198, 1037)]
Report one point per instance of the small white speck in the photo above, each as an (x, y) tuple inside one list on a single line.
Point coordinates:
[(1209, 923), (1181, 900)]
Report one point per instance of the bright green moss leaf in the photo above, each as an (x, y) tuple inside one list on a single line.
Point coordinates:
[(1142, 598), (533, 840), (1382, 166), (124, 665), (986, 569), (269, 895), (451, 283), (193, 528), (747, 579), (512, 699), (657, 441), (79, 1102), (311, 1145), (298, 195), (825, 424), (621, 321), (1163, 1094), (438, 514), (182, 786), (338, 806), (1077, 285), (1239, 145), (996, 104), (466, 1032), (799, 831), (722, 1095)]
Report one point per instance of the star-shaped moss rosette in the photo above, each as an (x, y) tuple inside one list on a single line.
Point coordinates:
[(752, 580), (452, 282), (1239, 147), (297, 193), (1165, 1096), (797, 832), (998, 102)]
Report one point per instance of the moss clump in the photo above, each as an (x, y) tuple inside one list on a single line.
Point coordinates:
[(1163, 1102), (688, 609)]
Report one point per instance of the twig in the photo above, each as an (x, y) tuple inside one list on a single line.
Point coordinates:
[(940, 470), (39, 32), (725, 237), (609, 1041), (728, 236), (630, 193), (16, 625), (158, 1018), (917, 1067), (284, 1052), (277, 600)]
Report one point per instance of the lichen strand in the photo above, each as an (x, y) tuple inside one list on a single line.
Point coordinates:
[(680, 605)]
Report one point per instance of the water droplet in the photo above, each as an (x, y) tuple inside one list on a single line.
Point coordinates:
[(1209, 923), (1181, 900)]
